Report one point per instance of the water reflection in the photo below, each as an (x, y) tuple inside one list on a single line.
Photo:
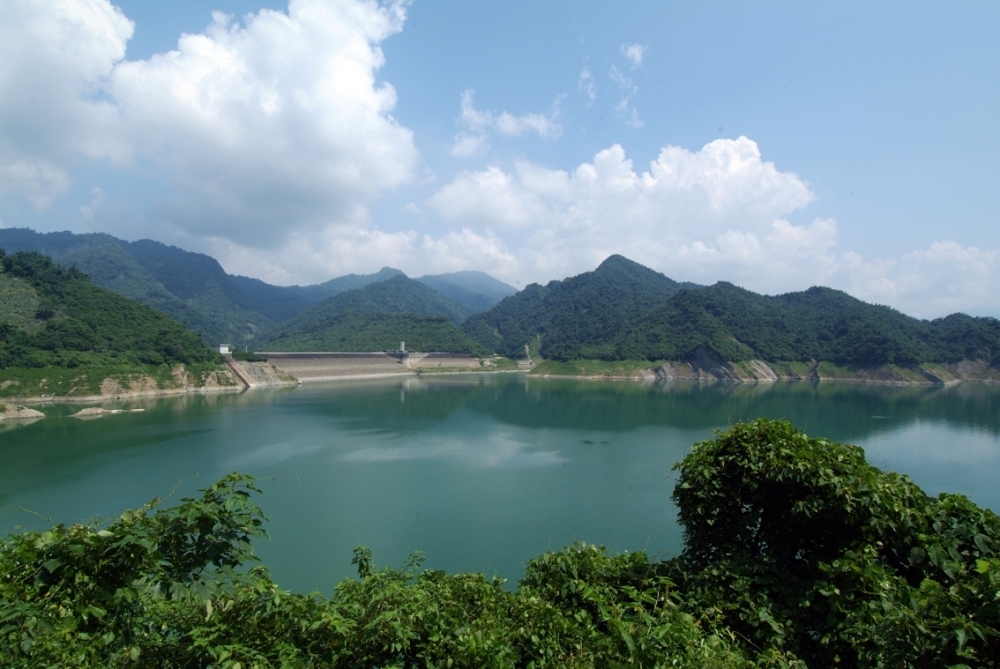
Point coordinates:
[(494, 450)]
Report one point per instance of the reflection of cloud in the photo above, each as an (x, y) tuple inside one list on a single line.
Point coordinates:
[(931, 442), (495, 451), (271, 454)]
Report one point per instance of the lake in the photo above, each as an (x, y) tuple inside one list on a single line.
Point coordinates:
[(480, 472)]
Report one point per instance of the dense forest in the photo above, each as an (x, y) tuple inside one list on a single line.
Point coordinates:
[(375, 318), (623, 311), (360, 331), (54, 316), (574, 318), (798, 554), (735, 324)]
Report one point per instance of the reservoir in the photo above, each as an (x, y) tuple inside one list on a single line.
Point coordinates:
[(479, 472)]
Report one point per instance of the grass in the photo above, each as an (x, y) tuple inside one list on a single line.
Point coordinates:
[(603, 368)]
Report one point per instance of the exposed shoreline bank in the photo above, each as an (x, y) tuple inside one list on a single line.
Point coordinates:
[(271, 375)]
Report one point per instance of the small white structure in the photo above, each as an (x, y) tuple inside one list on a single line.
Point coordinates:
[(224, 349), (402, 346)]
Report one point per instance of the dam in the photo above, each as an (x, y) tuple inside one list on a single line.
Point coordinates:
[(326, 366)]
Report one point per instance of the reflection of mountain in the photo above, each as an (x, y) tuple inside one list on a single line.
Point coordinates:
[(845, 412), (839, 411)]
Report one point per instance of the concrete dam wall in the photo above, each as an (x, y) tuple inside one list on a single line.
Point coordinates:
[(333, 365)]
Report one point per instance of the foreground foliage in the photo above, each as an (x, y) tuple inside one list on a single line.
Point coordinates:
[(798, 554)]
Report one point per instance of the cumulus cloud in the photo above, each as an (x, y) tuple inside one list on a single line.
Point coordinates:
[(943, 278), (479, 123), (634, 53), (54, 59), (701, 210), (262, 128)]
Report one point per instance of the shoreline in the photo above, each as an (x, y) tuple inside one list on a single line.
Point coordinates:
[(647, 375)]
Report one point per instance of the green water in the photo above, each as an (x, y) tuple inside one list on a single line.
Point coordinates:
[(480, 472)]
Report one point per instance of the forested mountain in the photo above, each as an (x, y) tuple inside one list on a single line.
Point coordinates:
[(360, 331), (321, 291), (577, 317), (194, 289), (377, 317), (55, 316), (624, 311), (819, 324), (476, 291), (190, 287)]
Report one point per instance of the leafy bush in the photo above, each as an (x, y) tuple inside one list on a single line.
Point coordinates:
[(799, 544)]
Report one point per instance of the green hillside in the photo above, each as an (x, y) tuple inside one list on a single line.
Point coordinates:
[(321, 291), (189, 287), (578, 317), (476, 291), (397, 295), (819, 324), (357, 331), (54, 318)]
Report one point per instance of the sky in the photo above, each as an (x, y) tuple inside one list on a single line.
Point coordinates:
[(776, 145)]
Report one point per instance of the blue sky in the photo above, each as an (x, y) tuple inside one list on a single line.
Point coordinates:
[(775, 145)]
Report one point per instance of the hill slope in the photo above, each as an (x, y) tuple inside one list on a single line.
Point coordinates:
[(377, 317), (54, 317), (321, 291), (577, 317), (359, 331), (819, 324), (476, 291)]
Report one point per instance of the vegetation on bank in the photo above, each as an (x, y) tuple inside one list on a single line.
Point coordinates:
[(798, 554), (595, 368), (359, 331)]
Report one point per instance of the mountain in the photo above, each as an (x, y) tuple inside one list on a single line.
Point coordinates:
[(476, 291), (54, 317), (360, 331), (577, 317), (190, 287), (377, 317), (321, 291), (820, 324), (194, 289)]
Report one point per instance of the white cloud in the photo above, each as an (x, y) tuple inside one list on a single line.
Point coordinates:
[(54, 58), (943, 278), (479, 123), (274, 126), (634, 53), (686, 211)]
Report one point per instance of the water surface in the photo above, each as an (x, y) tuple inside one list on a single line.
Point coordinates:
[(480, 472)]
